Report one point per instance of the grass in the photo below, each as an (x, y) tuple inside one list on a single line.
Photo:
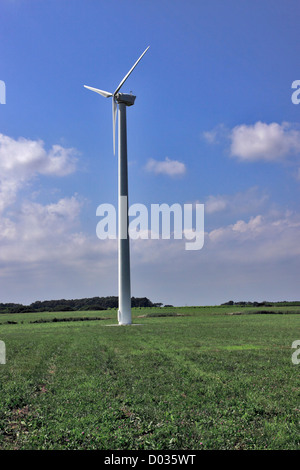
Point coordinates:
[(202, 379)]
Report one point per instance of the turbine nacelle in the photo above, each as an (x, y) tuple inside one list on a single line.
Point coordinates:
[(125, 99)]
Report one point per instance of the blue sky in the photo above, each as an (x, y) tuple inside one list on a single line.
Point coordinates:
[(213, 123)]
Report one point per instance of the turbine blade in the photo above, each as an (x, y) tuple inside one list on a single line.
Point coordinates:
[(101, 92), (114, 114), (126, 76)]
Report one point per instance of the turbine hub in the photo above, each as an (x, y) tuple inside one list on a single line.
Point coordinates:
[(124, 98)]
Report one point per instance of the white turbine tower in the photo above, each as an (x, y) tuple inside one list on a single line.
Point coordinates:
[(123, 100)]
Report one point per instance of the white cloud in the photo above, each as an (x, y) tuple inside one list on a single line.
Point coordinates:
[(272, 237), (240, 230), (261, 141), (215, 204), (166, 167), (239, 203), (45, 254), (60, 161), (253, 226), (216, 135), (22, 159), (36, 232)]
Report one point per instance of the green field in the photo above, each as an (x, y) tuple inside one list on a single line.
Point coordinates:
[(195, 378)]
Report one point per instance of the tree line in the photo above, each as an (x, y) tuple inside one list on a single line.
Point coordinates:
[(264, 303), (63, 305)]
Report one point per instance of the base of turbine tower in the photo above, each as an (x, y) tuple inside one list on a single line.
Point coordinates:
[(126, 321), (120, 323), (126, 324)]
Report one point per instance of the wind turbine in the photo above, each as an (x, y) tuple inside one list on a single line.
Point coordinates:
[(122, 100)]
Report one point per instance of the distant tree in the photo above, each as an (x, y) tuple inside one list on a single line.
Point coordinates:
[(230, 302)]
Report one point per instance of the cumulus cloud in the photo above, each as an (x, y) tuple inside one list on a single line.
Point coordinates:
[(35, 229), (46, 241), (22, 159), (242, 202), (271, 237), (261, 141), (258, 141), (167, 167), (240, 230)]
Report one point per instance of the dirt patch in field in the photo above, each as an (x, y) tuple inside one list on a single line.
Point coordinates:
[(16, 426)]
